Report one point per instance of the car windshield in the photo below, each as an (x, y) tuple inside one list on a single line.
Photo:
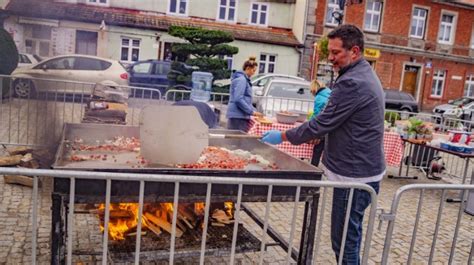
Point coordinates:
[(462, 101), (286, 90)]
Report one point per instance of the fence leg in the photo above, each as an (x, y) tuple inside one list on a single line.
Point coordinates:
[(308, 232), (57, 242)]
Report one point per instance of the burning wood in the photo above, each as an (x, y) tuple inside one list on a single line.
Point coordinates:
[(165, 225), (157, 218)]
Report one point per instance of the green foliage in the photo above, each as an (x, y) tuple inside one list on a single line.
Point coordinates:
[(391, 117), (8, 53), (202, 47), (323, 48), (8, 60)]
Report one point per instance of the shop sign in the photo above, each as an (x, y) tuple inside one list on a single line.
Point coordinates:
[(371, 53)]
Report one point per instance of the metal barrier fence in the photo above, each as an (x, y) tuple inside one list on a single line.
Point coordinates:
[(37, 118), (423, 223), (441, 122), (144, 179)]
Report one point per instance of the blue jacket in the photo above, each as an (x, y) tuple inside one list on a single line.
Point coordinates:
[(240, 102), (353, 120), (320, 100)]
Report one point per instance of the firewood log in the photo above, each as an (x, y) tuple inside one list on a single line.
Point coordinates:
[(116, 213), (162, 224), (153, 228), (10, 160), (19, 150), (18, 179)]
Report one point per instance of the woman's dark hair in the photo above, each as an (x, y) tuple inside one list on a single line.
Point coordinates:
[(250, 63), (350, 35)]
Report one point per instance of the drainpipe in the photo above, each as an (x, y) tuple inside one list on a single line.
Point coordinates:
[(301, 50)]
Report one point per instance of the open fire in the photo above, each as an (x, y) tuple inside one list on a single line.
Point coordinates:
[(157, 218)]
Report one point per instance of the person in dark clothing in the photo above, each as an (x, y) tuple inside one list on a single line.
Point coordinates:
[(321, 95), (353, 121), (206, 112), (240, 102)]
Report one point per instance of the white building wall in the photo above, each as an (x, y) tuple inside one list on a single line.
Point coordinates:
[(287, 57)]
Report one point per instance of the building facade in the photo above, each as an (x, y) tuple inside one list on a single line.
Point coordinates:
[(423, 47), (271, 30)]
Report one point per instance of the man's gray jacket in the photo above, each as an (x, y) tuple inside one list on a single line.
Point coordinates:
[(354, 123)]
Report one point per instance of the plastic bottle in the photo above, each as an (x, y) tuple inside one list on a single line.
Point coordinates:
[(202, 83)]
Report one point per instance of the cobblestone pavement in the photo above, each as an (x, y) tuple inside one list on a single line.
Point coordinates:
[(15, 229), (39, 118)]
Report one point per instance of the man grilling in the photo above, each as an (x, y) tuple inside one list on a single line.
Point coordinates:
[(353, 121)]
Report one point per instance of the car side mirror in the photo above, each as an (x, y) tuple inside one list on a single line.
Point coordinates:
[(44, 67)]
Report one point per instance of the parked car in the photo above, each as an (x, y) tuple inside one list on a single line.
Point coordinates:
[(285, 95), (464, 102), (26, 59), (460, 108), (153, 74), (81, 68), (259, 81), (399, 100)]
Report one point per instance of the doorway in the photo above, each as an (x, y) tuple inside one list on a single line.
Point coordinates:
[(410, 79), (86, 42)]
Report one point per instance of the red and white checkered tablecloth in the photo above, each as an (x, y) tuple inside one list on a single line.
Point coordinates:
[(392, 143)]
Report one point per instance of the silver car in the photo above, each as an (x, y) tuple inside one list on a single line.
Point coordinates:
[(261, 80), (285, 95), (50, 75), (461, 108)]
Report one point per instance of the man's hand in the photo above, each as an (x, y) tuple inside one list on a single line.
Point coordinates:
[(257, 114), (272, 137)]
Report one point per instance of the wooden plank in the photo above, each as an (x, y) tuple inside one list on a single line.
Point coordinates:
[(18, 179), (19, 150), (10, 160), (162, 224)]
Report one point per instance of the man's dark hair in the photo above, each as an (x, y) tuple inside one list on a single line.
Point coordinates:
[(350, 35)]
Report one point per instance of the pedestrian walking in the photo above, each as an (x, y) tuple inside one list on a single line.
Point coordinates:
[(353, 121)]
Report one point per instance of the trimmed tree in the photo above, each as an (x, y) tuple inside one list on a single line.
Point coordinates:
[(202, 48), (8, 59)]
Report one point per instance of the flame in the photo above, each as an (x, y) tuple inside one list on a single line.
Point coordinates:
[(119, 226), (199, 208), (229, 208)]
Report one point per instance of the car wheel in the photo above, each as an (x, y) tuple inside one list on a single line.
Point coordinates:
[(23, 88)]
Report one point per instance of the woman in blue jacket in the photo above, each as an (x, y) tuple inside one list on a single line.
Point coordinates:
[(240, 103), (321, 94)]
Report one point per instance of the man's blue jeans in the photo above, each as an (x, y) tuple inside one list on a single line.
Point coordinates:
[(360, 202)]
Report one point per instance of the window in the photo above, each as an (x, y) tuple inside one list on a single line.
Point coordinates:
[(23, 58), (284, 90), (258, 14), (446, 29), (130, 50), (97, 2), (267, 63), (438, 83), (229, 59), (37, 39), (90, 64), (469, 86), (418, 23), (142, 68), (58, 64), (161, 69), (178, 7), (372, 16), (333, 5), (227, 10)]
